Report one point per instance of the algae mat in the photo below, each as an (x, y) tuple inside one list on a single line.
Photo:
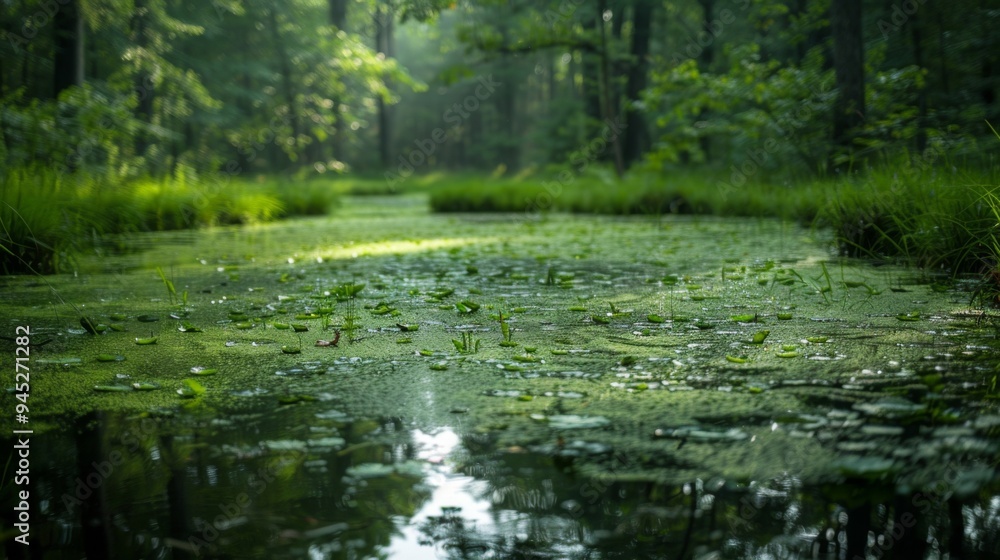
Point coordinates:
[(665, 351)]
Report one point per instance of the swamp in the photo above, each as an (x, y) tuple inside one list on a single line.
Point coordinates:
[(497, 279)]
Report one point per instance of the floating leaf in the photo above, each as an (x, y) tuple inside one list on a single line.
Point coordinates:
[(787, 354), (600, 319), (784, 316), (760, 336), (441, 366), (112, 388), (407, 328), (817, 339), (914, 316), (291, 349), (299, 327), (145, 386), (192, 387), (737, 359), (147, 318), (110, 358), (281, 326), (188, 328), (89, 325), (572, 421), (745, 318), (145, 341), (653, 318), (198, 370)]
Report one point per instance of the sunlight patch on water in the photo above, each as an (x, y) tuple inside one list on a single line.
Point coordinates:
[(397, 247), (453, 494)]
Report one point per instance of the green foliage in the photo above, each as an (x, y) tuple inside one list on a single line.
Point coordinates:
[(48, 215)]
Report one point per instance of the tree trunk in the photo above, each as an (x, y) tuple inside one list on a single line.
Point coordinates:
[(609, 112), (68, 62), (383, 43), (848, 67), (338, 19), (591, 83), (287, 83), (635, 129), (143, 80), (918, 59)]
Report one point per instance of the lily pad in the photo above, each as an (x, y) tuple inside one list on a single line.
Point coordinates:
[(112, 388), (110, 358), (145, 386), (573, 421), (759, 337), (145, 341)]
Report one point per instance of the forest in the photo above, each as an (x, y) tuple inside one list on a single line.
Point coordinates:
[(587, 279), (170, 114)]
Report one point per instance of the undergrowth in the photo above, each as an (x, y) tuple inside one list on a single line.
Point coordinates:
[(46, 216)]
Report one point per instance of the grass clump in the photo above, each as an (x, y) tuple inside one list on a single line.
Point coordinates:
[(47, 216)]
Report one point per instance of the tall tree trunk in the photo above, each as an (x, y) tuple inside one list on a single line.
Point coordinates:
[(609, 112), (591, 83), (287, 83), (918, 59), (384, 44), (338, 19), (705, 60), (68, 62), (635, 126), (143, 79), (848, 67)]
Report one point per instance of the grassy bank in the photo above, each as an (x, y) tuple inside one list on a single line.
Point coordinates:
[(47, 216), (935, 217)]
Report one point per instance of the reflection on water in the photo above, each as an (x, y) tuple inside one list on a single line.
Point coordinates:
[(308, 481)]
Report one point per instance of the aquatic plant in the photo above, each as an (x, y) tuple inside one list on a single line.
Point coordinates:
[(505, 332), (467, 345)]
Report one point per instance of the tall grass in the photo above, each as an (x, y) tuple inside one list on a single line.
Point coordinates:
[(932, 216), (46, 217), (600, 192)]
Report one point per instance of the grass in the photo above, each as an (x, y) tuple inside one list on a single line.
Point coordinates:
[(934, 217), (596, 192), (46, 217)]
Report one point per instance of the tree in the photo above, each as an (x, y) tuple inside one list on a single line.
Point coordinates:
[(68, 35), (848, 65), (635, 126)]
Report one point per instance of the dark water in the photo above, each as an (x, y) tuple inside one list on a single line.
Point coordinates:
[(308, 481)]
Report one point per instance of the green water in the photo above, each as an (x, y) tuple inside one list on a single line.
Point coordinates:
[(630, 414)]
